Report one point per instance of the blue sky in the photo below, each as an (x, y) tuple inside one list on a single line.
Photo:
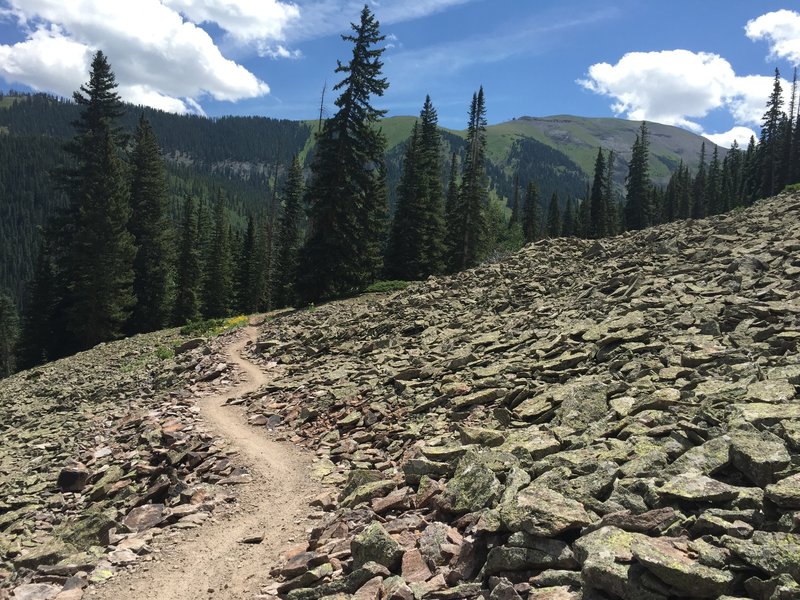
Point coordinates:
[(706, 66)]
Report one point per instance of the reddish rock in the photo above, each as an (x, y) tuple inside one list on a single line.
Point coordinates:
[(415, 569)]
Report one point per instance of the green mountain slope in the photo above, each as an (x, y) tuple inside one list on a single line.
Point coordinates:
[(240, 155)]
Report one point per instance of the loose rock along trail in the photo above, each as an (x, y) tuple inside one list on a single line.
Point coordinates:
[(215, 563)]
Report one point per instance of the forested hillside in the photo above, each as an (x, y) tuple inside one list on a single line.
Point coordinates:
[(242, 155)]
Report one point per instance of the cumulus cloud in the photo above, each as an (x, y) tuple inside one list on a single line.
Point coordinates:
[(160, 59), (680, 87), (245, 20), (781, 29), (740, 135), (279, 51)]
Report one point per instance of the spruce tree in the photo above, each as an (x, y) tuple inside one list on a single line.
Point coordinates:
[(609, 204), (770, 142), (713, 198), (217, 290), (99, 269), (433, 254), (598, 215), (405, 247), (247, 298), (451, 208), (152, 233), (468, 231), (189, 270), (9, 330), (289, 239), (699, 207), (637, 207), (553, 227), (531, 216), (38, 342), (347, 192), (569, 219)]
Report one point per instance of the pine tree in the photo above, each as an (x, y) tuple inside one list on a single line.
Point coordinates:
[(99, 271), (713, 198), (347, 191), (433, 254), (288, 240), (553, 228), (531, 217), (609, 204), (217, 291), (189, 269), (468, 234), (9, 330), (769, 145), (699, 208), (568, 221), (637, 207), (38, 342), (750, 173), (152, 233), (598, 216), (247, 298), (405, 247), (451, 208)]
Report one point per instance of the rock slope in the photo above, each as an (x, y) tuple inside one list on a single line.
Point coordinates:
[(614, 419), (100, 453)]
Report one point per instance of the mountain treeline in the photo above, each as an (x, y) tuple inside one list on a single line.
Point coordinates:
[(121, 256)]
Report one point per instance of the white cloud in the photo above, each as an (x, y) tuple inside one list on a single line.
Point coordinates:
[(279, 51), (679, 87), (781, 29), (245, 20), (741, 135), (159, 58)]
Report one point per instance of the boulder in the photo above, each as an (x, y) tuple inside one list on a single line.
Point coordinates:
[(543, 512), (374, 544)]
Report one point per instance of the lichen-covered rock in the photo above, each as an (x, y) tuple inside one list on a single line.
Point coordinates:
[(786, 492), (374, 544), (473, 487), (543, 512), (669, 559)]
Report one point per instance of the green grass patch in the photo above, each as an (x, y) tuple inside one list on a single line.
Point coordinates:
[(795, 187), (213, 326), (164, 352), (387, 286)]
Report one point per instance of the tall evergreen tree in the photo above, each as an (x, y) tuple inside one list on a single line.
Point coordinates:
[(770, 143), (451, 208), (38, 342), (553, 227), (609, 203), (152, 233), (531, 216), (713, 197), (468, 231), (432, 257), (9, 330), (405, 248), (247, 267), (750, 173), (189, 268), (568, 221), (347, 191), (289, 239), (637, 207), (217, 290), (99, 269), (598, 216)]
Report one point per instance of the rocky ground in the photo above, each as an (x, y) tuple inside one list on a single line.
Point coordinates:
[(596, 420), (103, 452), (614, 419)]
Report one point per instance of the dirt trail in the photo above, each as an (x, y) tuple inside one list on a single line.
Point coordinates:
[(215, 564)]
